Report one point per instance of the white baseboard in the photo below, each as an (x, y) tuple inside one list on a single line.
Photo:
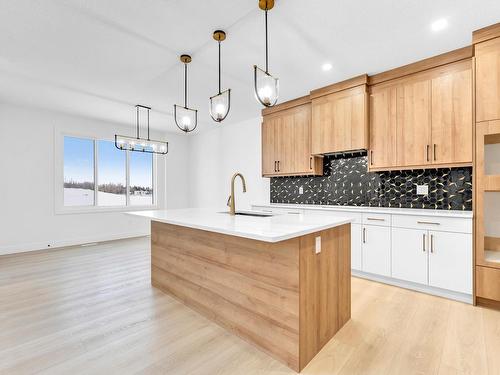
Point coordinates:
[(35, 246), (462, 297)]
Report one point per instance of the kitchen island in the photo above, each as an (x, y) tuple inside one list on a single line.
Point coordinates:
[(282, 282)]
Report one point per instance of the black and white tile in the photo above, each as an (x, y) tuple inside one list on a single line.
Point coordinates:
[(346, 181)]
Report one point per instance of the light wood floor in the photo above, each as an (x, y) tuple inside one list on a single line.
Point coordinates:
[(92, 311)]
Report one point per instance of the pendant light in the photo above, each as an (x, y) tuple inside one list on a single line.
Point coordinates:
[(220, 103), (265, 85), (185, 118), (138, 144)]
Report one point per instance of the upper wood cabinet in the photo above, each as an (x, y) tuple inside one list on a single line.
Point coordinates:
[(286, 142), (340, 118), (383, 119), (488, 80), (451, 131), (423, 120)]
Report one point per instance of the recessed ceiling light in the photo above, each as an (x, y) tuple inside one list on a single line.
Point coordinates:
[(439, 24), (326, 67)]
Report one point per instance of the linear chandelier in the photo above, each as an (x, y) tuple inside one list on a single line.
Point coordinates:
[(220, 103), (138, 144), (265, 85), (185, 118)]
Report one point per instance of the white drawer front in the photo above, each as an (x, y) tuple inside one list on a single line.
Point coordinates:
[(445, 224), (356, 216), (383, 220), (279, 210)]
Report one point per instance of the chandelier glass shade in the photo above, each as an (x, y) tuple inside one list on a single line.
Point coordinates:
[(220, 104), (185, 118), (266, 87), (138, 144)]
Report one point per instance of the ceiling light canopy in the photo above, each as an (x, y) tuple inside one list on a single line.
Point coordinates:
[(126, 143), (185, 118), (439, 24), (220, 103), (265, 85)]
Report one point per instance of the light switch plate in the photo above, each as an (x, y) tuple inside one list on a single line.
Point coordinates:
[(318, 244), (422, 189), (301, 190)]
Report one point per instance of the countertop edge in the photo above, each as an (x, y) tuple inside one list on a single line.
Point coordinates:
[(380, 210), (319, 228)]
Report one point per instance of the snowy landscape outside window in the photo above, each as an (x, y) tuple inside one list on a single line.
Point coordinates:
[(97, 174)]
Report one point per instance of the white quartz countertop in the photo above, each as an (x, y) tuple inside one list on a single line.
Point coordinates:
[(269, 229), (373, 210)]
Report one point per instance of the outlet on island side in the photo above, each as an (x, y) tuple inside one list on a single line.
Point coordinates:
[(422, 189), (301, 190)]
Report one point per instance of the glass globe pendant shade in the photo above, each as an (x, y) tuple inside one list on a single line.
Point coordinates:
[(185, 118), (266, 87), (220, 105)]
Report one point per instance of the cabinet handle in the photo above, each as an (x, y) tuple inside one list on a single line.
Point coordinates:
[(427, 151), (423, 243), (364, 235), (428, 222), (278, 165), (374, 219), (310, 162), (432, 243), (434, 152), (371, 157)]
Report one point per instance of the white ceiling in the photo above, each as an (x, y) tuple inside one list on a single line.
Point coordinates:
[(98, 58)]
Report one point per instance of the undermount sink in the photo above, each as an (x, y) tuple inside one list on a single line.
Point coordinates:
[(250, 213)]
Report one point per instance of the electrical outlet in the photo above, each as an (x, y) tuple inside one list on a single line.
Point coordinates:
[(301, 190), (422, 189), (318, 245)]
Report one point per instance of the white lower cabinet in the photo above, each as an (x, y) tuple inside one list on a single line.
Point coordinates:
[(356, 256), (439, 259), (450, 261), (376, 249), (409, 255)]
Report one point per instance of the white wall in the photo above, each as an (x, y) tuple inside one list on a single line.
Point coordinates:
[(27, 211), (216, 154)]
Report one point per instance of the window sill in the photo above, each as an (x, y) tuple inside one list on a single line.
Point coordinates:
[(99, 210)]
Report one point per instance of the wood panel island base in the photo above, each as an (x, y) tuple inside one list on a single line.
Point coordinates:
[(284, 297)]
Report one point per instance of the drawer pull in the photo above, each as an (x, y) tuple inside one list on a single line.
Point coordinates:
[(364, 235), (432, 243), (428, 222), (374, 219), (423, 243), (293, 212)]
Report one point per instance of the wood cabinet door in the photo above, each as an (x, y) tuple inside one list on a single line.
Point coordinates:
[(269, 130), (450, 261), (339, 121), (284, 144), (409, 256), (322, 126), (487, 80), (376, 246), (301, 152), (451, 130), (414, 123), (383, 127)]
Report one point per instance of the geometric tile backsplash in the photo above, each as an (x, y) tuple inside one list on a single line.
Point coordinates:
[(346, 181)]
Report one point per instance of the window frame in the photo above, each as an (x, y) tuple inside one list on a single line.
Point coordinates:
[(60, 208)]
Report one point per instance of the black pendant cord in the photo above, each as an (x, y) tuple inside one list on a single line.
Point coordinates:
[(219, 70), (267, 58), (185, 85), (137, 122)]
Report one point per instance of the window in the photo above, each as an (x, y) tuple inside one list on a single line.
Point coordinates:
[(78, 172), (141, 179), (97, 174)]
